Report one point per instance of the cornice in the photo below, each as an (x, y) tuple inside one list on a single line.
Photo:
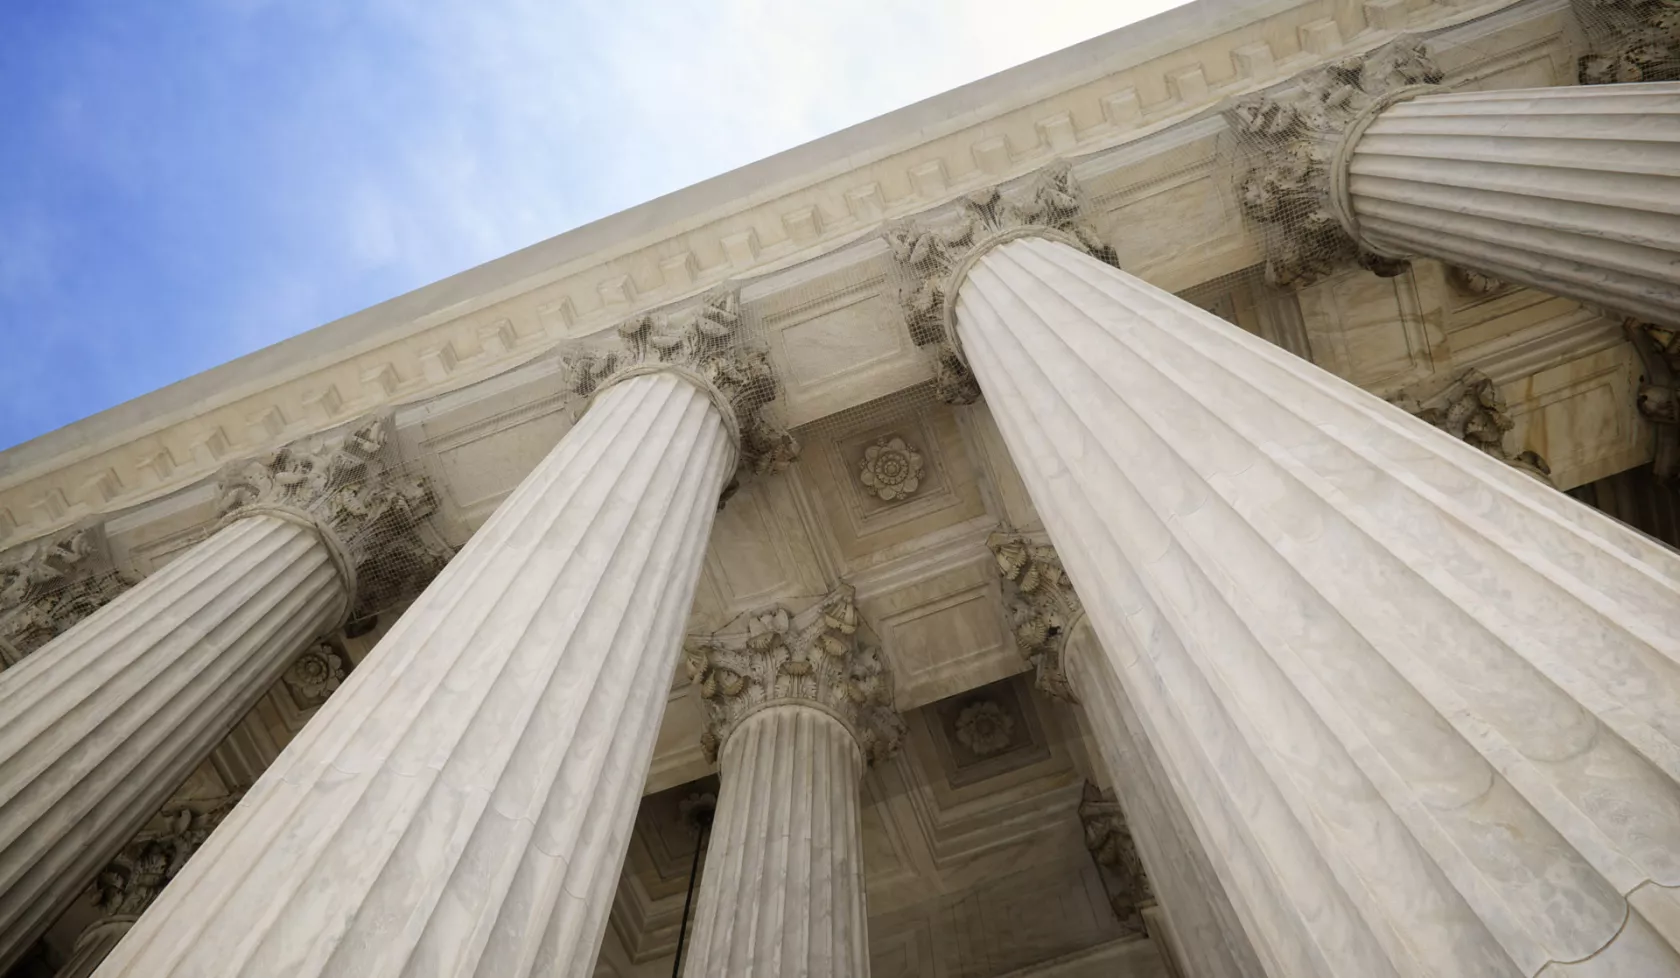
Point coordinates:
[(834, 192)]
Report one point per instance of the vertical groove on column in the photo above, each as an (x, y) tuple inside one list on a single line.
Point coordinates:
[(1425, 712), (463, 804), (782, 892), (1568, 190), (1209, 935), (105, 721)]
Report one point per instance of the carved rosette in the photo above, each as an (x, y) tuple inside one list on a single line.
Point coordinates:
[(716, 349), (1631, 40), (1292, 135), (891, 469), (985, 728), (1109, 841), (315, 674), (1471, 282), (129, 883), (373, 516), (1043, 607), (928, 256), (1659, 392), (1469, 407), (49, 585), (814, 658)]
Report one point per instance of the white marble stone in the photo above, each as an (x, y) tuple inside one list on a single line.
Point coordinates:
[(102, 723), (461, 806), (782, 891), (1421, 709), (1574, 190), (1204, 933)]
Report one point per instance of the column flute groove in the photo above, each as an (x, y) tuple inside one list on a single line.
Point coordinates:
[(1419, 708), (105, 720), (463, 803)]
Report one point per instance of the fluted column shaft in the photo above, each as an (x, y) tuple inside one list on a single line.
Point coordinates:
[(1574, 191), (1206, 935), (1423, 711), (462, 805), (782, 892), (102, 723)]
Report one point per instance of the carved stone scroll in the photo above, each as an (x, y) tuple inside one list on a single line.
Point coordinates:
[(813, 657), (1659, 392)]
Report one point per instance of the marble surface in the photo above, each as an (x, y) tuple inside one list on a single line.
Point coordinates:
[(1420, 708), (781, 894), (105, 721), (1571, 190), (461, 806)]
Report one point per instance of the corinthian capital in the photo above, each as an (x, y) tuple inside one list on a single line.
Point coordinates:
[(49, 585), (1659, 391), (1292, 136), (930, 257), (814, 658), (1109, 840), (129, 883), (371, 513), (715, 349), (1043, 607), (1468, 406)]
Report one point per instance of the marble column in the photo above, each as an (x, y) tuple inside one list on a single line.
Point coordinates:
[(1423, 711), (462, 804), (1052, 629), (104, 721), (1569, 190), (799, 705)]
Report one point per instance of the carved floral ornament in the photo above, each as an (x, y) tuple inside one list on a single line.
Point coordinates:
[(928, 256), (1043, 607), (891, 469), (317, 673), (373, 516), (1292, 136), (713, 347), (814, 657)]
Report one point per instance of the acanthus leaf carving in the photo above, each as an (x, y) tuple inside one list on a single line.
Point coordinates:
[(1043, 606), (716, 348), (815, 657), (47, 586), (1469, 407), (369, 509), (1292, 134), (1109, 840), (928, 255), (130, 882), (1631, 41)]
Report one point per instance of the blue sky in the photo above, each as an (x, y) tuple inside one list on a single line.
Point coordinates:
[(185, 181)]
